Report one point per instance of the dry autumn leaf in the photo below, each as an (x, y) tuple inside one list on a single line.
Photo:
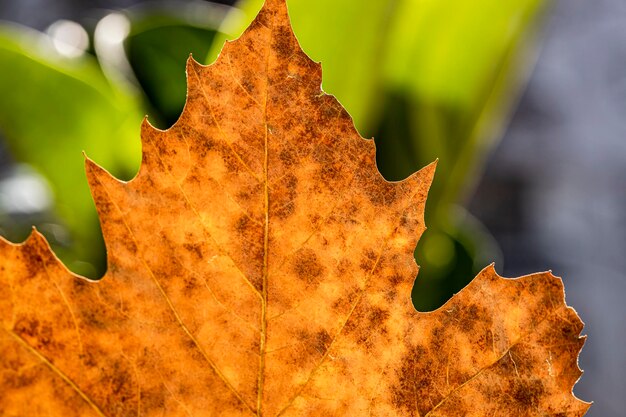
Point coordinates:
[(259, 264)]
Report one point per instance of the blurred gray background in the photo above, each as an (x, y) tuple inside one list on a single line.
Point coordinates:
[(554, 191)]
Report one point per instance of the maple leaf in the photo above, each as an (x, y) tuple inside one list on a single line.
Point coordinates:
[(259, 264)]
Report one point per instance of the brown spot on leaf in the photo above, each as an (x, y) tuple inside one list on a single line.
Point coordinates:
[(194, 248), (307, 267), (527, 393)]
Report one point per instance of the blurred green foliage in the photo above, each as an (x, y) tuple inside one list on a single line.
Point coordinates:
[(53, 108), (157, 49), (429, 79)]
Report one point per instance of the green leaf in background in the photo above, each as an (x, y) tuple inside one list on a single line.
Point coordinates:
[(161, 38), (53, 108), (430, 80)]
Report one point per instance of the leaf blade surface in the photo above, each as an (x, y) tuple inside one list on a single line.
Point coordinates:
[(259, 264)]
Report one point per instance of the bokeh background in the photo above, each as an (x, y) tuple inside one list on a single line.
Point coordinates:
[(523, 102)]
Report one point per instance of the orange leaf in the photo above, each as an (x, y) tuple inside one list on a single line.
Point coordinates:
[(259, 264)]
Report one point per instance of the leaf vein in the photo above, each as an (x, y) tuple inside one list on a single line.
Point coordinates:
[(208, 233), (174, 311), (55, 370), (487, 367)]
